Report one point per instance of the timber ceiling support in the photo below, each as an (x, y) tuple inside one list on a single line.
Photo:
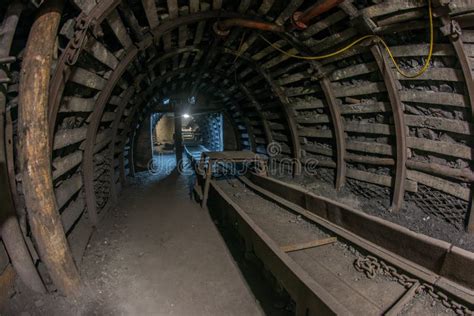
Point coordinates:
[(38, 188)]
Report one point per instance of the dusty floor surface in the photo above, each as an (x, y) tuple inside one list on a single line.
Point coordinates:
[(157, 253)]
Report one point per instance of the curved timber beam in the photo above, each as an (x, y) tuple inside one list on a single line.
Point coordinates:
[(38, 188)]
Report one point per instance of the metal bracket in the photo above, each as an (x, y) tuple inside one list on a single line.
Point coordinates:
[(452, 29)]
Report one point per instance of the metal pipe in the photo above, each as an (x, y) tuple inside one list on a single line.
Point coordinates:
[(33, 131), (222, 28), (301, 20)]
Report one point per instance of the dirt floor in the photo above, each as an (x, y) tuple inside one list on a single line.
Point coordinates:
[(156, 253), (410, 216)]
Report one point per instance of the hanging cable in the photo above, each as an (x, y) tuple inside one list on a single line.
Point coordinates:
[(373, 37)]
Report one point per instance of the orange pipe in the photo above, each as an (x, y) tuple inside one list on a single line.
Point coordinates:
[(301, 20), (222, 28)]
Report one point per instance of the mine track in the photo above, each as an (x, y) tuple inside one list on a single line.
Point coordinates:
[(324, 267)]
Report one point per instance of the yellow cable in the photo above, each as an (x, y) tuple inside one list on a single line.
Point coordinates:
[(366, 37)]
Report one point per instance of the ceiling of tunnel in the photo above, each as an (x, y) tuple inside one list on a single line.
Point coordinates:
[(407, 140)]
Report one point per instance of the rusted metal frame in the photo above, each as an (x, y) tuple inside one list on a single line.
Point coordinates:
[(9, 26), (44, 218), (400, 129), (258, 108), (62, 72), (285, 105), (334, 111), (10, 230), (452, 29), (338, 124), (95, 119), (118, 115)]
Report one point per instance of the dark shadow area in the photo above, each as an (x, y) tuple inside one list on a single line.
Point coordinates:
[(273, 299)]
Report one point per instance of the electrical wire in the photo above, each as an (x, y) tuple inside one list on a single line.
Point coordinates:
[(373, 37)]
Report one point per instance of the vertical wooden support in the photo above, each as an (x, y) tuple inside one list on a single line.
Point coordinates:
[(38, 188), (339, 133), (400, 129)]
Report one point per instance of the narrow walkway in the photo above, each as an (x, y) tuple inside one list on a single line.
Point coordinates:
[(156, 253), (159, 253)]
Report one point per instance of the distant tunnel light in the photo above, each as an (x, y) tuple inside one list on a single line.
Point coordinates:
[(186, 115)]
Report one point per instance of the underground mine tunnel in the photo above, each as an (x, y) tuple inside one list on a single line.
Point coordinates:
[(236, 157)]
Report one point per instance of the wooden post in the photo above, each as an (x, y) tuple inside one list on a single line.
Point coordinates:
[(34, 151)]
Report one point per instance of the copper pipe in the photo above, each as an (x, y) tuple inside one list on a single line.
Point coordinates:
[(222, 28), (301, 20)]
